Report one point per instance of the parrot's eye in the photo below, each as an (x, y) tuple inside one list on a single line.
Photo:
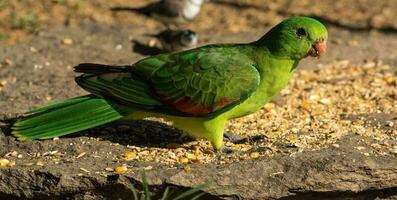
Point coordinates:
[(301, 32)]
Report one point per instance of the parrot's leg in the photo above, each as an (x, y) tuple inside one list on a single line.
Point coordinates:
[(196, 127), (209, 129)]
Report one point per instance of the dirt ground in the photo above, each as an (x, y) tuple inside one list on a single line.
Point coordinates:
[(22, 19), (338, 114)]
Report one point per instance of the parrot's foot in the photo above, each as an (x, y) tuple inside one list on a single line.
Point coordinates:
[(239, 140)]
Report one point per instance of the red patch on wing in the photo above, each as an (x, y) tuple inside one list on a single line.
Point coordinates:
[(186, 105), (223, 102)]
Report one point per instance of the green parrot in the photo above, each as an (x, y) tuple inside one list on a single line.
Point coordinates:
[(199, 90)]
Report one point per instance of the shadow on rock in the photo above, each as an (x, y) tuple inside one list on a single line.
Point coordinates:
[(143, 133)]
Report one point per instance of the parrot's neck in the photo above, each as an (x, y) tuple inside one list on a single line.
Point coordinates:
[(275, 74), (268, 62)]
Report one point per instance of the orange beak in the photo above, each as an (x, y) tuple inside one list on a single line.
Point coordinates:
[(318, 49)]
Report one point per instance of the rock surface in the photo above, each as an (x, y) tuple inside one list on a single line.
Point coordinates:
[(41, 68)]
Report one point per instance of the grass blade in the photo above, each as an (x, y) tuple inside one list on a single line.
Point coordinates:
[(197, 196), (145, 185), (192, 191), (165, 194), (134, 193)]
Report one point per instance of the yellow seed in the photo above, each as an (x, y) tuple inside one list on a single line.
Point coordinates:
[(270, 106), (129, 155), (199, 159), (292, 138), (191, 156), (29, 164), (84, 170), (3, 83), (326, 101), (109, 169), (187, 168), (40, 163), (12, 163), (7, 61), (306, 105), (314, 97), (81, 155), (33, 50), (389, 79), (254, 154), (197, 150), (4, 162), (67, 41), (14, 154), (152, 43), (120, 169), (183, 159)]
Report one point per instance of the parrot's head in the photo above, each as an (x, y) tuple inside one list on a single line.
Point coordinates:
[(297, 38)]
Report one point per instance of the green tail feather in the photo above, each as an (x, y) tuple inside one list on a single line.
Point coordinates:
[(65, 117)]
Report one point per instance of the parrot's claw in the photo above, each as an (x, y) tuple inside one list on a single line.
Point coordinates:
[(239, 140)]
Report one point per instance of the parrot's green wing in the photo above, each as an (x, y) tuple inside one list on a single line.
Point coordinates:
[(202, 81), (198, 82)]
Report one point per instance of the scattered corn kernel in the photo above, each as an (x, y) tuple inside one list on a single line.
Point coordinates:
[(254, 154), (183, 159), (12, 163), (129, 155), (120, 169), (191, 156), (40, 163), (67, 41), (4, 162)]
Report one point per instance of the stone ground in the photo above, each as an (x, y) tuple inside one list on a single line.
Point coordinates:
[(79, 166)]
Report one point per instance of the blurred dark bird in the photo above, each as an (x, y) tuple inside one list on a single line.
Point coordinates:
[(169, 11), (177, 40)]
